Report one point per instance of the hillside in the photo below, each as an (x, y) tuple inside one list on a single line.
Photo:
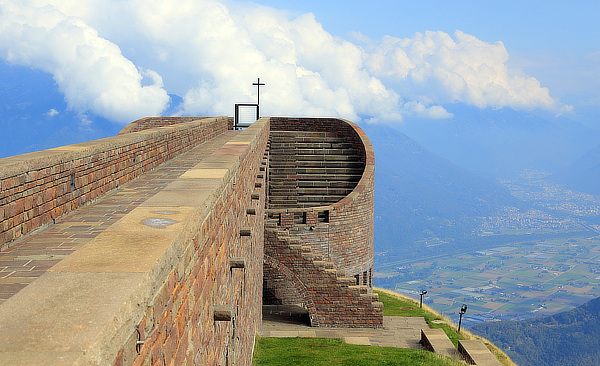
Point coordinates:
[(568, 338), (584, 174), (422, 196), (502, 142)]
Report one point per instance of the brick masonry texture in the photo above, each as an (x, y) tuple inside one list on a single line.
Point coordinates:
[(154, 122), (293, 272), (340, 233), (179, 326), (148, 272), (39, 187), (347, 239)]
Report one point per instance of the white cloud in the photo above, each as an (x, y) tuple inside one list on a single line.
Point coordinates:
[(210, 52), (52, 112), (437, 68), (90, 71)]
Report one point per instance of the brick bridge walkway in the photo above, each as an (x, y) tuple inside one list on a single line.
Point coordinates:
[(31, 256)]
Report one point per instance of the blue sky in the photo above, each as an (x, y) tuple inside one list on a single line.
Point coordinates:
[(382, 61), (522, 25), (558, 42)]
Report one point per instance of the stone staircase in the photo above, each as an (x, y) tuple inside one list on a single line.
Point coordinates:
[(331, 299), (310, 169), (471, 351)]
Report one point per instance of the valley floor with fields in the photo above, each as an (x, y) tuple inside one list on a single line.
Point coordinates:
[(546, 260)]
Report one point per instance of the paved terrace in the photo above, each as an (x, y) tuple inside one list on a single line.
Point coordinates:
[(397, 331)]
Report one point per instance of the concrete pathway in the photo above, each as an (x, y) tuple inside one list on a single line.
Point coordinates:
[(397, 331)]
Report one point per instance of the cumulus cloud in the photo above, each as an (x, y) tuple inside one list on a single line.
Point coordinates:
[(210, 52), (52, 112), (89, 70), (436, 68)]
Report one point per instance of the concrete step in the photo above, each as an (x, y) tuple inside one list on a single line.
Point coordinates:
[(361, 289), (475, 352), (314, 157), (332, 177), (316, 164), (299, 191), (275, 171), (279, 135), (297, 247), (346, 281), (328, 198), (326, 184), (319, 144), (370, 297), (325, 151), (436, 341), (330, 164)]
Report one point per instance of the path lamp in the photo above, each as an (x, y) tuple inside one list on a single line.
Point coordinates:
[(423, 292), (463, 310)]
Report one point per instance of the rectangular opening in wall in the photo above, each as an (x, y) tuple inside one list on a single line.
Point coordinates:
[(72, 182), (274, 216), (357, 279), (299, 217), (365, 278), (323, 216)]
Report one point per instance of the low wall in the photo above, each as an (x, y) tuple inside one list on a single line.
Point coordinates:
[(178, 280), (39, 187), (154, 122)]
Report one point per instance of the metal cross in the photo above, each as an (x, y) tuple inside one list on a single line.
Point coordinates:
[(258, 84)]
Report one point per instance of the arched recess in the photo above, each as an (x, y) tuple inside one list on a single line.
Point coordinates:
[(287, 287)]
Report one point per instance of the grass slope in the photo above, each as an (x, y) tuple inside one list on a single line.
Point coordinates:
[(322, 351)]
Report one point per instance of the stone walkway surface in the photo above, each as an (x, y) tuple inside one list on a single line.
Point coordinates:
[(32, 255), (397, 331)]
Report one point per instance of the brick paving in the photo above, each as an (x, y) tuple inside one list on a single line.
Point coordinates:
[(32, 255)]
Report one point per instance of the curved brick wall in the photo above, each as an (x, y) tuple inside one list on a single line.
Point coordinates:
[(347, 239)]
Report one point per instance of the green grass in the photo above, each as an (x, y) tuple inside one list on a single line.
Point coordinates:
[(397, 305), (323, 351)]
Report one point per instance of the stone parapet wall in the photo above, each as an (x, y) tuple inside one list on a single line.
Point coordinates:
[(179, 326), (175, 281), (154, 122), (39, 187)]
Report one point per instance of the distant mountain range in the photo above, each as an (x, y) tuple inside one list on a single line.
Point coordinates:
[(567, 338), (584, 174), (502, 142), (421, 196)]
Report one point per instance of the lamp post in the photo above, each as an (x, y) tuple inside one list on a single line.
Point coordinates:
[(463, 310), (423, 292)]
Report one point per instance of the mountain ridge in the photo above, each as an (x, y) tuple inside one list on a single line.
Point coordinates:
[(567, 338)]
